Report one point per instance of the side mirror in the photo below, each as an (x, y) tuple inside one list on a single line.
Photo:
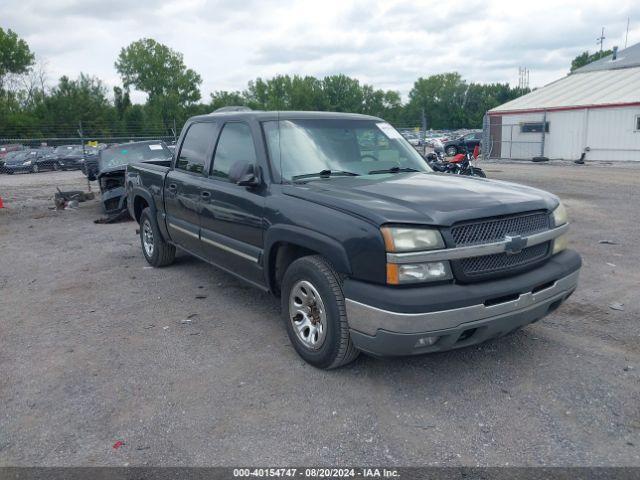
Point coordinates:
[(244, 174)]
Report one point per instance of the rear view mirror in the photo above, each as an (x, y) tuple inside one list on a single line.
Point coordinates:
[(244, 174)]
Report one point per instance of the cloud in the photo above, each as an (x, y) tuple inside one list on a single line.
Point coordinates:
[(388, 44)]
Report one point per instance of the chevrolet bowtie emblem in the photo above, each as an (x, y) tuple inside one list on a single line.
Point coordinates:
[(515, 244)]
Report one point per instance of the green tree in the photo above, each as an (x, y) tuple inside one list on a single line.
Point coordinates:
[(223, 98), (15, 55), (441, 97), (342, 93), (121, 101), (586, 58), (160, 72), (74, 101)]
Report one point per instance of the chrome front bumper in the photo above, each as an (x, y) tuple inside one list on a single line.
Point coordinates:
[(393, 333)]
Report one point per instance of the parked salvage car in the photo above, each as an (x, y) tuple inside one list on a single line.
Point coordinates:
[(112, 165), (9, 147), (470, 141), (24, 161), (68, 157), (367, 248)]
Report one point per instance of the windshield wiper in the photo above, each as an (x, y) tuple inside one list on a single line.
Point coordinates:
[(394, 170), (325, 174)]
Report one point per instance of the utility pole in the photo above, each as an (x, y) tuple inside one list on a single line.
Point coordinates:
[(424, 130), (84, 153), (626, 37), (600, 39)]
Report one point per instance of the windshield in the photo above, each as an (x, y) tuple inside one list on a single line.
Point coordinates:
[(304, 147), (125, 154), (24, 155), (69, 149)]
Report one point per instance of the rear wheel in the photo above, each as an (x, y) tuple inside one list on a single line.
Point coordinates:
[(35, 168), (314, 313), (156, 250)]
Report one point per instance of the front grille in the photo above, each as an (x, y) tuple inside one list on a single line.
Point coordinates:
[(492, 264), (495, 230)]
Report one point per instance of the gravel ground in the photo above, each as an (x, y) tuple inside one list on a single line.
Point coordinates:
[(96, 347)]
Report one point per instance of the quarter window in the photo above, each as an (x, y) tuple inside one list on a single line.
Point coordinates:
[(235, 145), (193, 153), (637, 123)]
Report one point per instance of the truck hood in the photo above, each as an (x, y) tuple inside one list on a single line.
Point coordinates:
[(422, 198)]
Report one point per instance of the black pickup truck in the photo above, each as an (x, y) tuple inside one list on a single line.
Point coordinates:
[(368, 249)]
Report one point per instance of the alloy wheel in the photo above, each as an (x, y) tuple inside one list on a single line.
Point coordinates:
[(308, 315)]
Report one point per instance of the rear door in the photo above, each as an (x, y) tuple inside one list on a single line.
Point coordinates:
[(231, 218), (184, 185)]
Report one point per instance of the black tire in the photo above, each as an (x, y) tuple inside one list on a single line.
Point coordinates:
[(478, 172), (161, 253), (337, 349), (35, 168), (56, 167)]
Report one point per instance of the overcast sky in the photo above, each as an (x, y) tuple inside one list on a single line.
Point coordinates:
[(384, 43)]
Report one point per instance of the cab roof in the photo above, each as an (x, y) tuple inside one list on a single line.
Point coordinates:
[(261, 115)]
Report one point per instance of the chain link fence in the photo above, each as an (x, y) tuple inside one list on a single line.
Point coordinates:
[(51, 147), (521, 140)]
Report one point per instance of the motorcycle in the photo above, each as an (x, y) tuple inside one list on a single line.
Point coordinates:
[(459, 164)]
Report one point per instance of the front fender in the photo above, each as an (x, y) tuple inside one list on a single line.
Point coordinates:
[(326, 246)]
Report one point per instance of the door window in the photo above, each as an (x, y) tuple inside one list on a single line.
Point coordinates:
[(235, 145), (193, 153)]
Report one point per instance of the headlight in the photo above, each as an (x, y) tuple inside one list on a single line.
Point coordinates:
[(398, 274), (560, 244), (401, 239), (559, 215), (28, 162)]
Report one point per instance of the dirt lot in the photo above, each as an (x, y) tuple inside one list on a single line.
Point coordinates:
[(93, 349)]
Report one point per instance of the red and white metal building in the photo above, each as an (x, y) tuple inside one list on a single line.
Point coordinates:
[(594, 111)]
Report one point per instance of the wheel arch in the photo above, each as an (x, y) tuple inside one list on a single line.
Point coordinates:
[(285, 244), (141, 200)]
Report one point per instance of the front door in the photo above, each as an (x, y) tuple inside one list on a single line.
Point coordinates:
[(183, 186), (231, 215)]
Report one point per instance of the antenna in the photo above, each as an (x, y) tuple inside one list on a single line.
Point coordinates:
[(600, 39), (523, 77)]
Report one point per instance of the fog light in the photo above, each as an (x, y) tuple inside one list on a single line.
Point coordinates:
[(426, 341), (560, 244)]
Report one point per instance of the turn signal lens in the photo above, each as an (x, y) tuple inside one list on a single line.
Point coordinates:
[(392, 274)]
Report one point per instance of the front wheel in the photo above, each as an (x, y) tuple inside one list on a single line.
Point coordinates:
[(478, 172), (314, 313), (156, 251)]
